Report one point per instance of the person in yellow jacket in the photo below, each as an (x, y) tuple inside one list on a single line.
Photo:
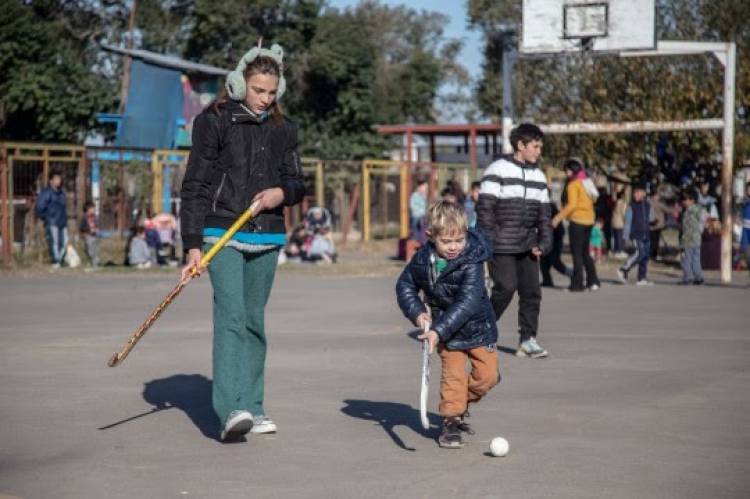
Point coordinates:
[(578, 199)]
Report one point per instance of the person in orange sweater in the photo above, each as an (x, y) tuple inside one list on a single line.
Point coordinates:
[(578, 207)]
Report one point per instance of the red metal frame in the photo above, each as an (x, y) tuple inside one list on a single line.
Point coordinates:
[(471, 131)]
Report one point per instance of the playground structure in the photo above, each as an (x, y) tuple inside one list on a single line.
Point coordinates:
[(387, 185)]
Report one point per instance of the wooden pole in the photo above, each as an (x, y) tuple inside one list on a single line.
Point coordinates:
[(353, 203), (473, 147), (127, 62), (5, 210), (365, 202)]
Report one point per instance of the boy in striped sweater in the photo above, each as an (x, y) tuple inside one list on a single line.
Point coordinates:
[(513, 211)]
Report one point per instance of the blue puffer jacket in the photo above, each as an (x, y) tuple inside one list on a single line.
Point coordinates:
[(461, 312), (50, 207)]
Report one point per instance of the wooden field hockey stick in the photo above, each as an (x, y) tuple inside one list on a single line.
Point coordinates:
[(118, 357)]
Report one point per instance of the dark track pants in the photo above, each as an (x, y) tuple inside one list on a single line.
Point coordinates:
[(518, 272), (580, 236)]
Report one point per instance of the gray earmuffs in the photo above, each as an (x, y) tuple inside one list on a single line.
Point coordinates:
[(237, 86)]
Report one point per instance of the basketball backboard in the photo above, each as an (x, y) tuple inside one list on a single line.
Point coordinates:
[(554, 26)]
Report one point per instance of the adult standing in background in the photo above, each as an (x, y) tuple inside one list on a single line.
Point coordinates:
[(51, 209), (578, 207), (659, 213)]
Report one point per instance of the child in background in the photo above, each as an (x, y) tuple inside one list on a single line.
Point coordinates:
[(637, 229), (449, 270), (89, 232), (596, 243), (140, 254), (471, 203), (322, 248), (418, 211), (693, 220)]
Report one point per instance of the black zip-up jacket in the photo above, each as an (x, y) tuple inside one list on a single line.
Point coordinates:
[(513, 209), (462, 315), (234, 156)]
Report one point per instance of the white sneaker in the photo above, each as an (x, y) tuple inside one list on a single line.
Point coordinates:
[(644, 282), (530, 348), (622, 276), (594, 287), (263, 424), (238, 423)]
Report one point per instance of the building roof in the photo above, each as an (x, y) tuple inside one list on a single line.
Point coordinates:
[(168, 61)]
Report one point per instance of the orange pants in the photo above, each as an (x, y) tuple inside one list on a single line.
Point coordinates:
[(457, 387)]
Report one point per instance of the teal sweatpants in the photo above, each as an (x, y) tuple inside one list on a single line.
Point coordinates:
[(242, 284)]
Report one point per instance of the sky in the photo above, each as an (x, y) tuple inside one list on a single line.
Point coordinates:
[(471, 55)]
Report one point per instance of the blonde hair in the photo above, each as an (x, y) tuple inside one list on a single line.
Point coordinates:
[(445, 217)]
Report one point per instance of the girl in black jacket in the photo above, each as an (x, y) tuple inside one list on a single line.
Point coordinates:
[(244, 150)]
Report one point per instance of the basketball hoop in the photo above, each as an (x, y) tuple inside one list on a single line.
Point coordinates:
[(591, 26)]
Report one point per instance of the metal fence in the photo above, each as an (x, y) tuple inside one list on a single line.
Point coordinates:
[(367, 199)]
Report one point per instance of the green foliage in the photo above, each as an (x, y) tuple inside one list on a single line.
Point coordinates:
[(608, 88), (48, 90), (346, 70)]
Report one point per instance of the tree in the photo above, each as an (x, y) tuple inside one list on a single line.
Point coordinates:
[(608, 88), (49, 87), (347, 70)]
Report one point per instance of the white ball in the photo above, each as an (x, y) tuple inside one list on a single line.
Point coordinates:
[(499, 447)]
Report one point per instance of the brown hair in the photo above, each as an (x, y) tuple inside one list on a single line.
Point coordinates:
[(261, 65)]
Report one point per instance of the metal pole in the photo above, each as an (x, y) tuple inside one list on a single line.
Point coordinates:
[(473, 147), (509, 60), (727, 163)]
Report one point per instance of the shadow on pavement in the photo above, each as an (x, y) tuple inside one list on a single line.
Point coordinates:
[(391, 414), (190, 393), (508, 350)]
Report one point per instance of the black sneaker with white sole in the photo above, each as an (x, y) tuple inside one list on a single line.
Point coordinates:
[(450, 436), (237, 425)]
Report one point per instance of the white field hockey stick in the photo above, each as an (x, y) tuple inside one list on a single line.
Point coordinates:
[(425, 389)]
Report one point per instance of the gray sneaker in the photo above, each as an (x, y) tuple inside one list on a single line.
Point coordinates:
[(530, 348), (263, 424), (238, 423)]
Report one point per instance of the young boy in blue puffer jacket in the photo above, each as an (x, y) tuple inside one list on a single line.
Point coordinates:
[(449, 270)]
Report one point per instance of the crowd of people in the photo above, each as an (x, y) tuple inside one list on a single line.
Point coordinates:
[(613, 219)]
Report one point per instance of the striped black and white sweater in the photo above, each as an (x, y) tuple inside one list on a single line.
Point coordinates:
[(514, 207)]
